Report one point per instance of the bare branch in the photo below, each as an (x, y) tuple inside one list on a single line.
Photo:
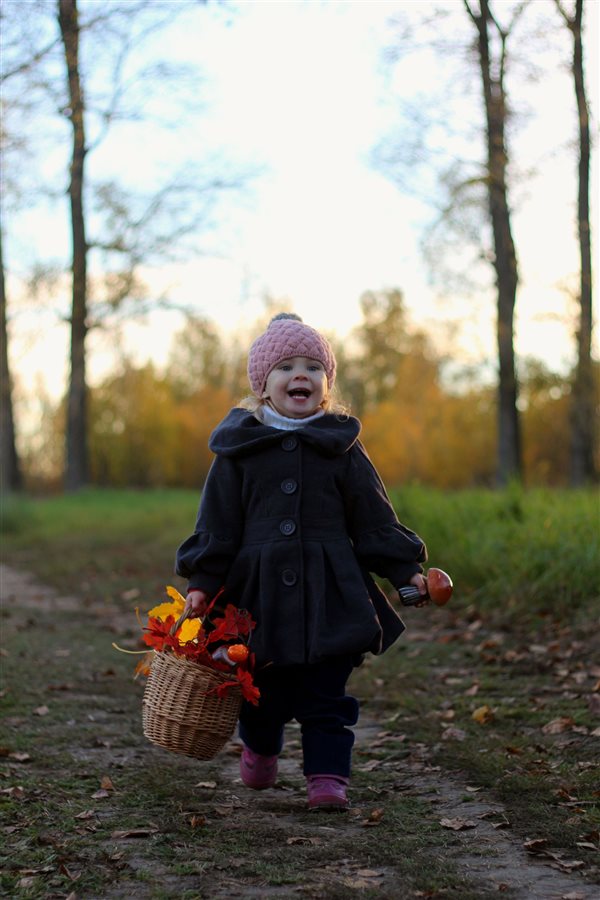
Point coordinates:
[(564, 13), (470, 12), (30, 63)]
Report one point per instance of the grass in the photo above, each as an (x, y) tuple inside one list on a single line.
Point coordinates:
[(512, 553), (521, 628)]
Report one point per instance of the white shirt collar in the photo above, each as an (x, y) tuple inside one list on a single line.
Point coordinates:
[(270, 416)]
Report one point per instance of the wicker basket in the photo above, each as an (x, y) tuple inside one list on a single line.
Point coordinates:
[(178, 712)]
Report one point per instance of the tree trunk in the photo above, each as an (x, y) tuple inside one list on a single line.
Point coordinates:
[(76, 465), (582, 462), (10, 469), (505, 261)]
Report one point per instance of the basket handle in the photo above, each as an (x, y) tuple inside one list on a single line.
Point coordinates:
[(187, 612), (182, 618)]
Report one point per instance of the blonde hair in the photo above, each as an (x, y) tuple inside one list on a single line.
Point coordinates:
[(329, 404)]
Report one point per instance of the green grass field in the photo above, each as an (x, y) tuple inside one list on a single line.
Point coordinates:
[(513, 553)]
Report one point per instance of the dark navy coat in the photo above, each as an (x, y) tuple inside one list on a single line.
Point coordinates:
[(292, 523)]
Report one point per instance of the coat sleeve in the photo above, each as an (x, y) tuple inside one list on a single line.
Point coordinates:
[(382, 544), (206, 556)]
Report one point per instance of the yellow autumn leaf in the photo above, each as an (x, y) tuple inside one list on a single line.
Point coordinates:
[(164, 610), (482, 715), (189, 630), (175, 595)]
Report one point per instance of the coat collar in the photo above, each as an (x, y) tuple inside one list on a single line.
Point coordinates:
[(240, 434)]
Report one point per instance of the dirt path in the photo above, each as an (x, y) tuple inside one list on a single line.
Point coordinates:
[(483, 851)]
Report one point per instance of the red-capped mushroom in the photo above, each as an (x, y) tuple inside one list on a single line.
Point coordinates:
[(439, 586)]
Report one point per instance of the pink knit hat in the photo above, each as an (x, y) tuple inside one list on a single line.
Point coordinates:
[(285, 337)]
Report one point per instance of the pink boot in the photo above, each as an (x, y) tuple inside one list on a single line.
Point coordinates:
[(257, 771), (327, 791)]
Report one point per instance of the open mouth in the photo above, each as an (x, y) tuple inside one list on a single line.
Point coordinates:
[(299, 392)]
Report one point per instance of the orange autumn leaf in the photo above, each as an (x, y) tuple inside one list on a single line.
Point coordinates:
[(143, 667)]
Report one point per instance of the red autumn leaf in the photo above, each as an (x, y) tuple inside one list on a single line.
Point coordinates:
[(249, 690), (157, 633), (236, 623)]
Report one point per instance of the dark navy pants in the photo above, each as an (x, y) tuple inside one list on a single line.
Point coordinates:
[(316, 697)]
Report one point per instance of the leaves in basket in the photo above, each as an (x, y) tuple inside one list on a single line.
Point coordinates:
[(222, 645), (243, 680), (236, 623)]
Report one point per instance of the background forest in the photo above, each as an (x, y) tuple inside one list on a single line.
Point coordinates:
[(150, 427), (119, 175)]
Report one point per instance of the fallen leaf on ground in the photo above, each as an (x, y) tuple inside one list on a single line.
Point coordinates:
[(206, 784), (537, 845), (374, 818), (198, 821), (372, 764), (19, 757), (303, 840), (17, 792), (102, 794), (225, 810), (458, 824), (72, 876), (106, 783), (454, 734), (86, 814), (41, 711), (568, 865), (558, 726), (482, 715), (134, 833)]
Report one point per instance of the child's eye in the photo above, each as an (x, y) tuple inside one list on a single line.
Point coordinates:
[(285, 367), (315, 368)]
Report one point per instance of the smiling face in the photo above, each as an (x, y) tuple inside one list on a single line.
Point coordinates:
[(296, 387)]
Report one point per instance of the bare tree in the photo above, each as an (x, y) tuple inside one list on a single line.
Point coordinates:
[(10, 469), (76, 470), (582, 463), (136, 230), (492, 67), (471, 236)]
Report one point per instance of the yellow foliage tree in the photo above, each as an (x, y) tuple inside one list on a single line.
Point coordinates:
[(142, 434), (425, 434)]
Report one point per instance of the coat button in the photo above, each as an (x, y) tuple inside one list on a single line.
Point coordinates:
[(290, 442), (289, 577), (287, 527), (289, 486)]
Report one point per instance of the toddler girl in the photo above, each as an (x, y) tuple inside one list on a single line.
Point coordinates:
[(292, 521)]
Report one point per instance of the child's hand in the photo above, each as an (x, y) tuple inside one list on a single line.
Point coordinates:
[(196, 604), (420, 582)]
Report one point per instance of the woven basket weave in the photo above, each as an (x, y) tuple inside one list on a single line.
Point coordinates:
[(178, 712)]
